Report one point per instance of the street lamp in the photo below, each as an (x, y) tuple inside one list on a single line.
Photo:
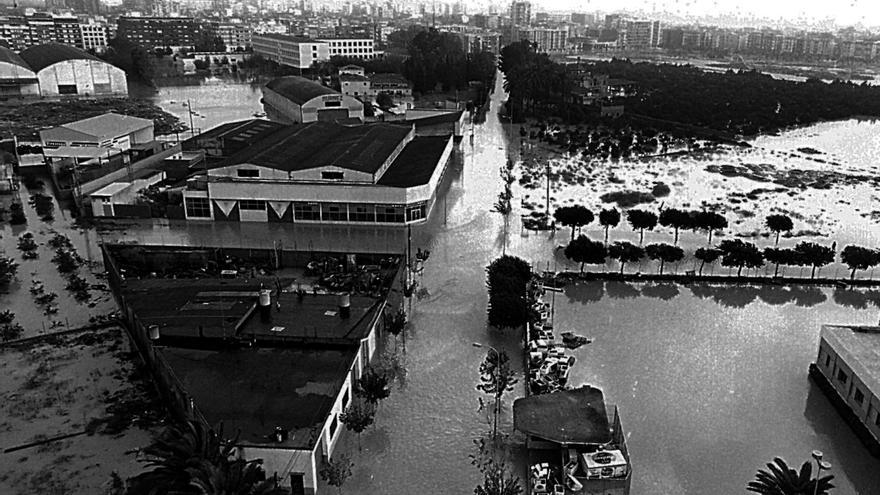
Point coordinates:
[(821, 466)]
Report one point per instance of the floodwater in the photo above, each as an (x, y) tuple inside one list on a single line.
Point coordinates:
[(711, 383)]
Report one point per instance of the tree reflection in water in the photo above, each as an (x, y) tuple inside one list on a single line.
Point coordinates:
[(664, 292)]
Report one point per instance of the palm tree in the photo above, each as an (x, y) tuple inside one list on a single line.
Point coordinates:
[(779, 479)]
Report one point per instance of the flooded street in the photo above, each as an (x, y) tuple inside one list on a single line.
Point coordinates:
[(711, 383)]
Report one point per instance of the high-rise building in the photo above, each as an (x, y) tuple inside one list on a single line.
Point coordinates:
[(520, 13), (547, 39), (94, 35), (158, 32), (642, 34)]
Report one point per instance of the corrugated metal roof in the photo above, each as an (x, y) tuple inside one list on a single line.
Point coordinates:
[(9, 56), (108, 125), (298, 89)]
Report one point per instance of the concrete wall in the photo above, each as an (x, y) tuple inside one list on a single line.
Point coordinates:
[(14, 71), (266, 173), (84, 74), (333, 193), (311, 108), (154, 161), (356, 88), (280, 109), (348, 174), (830, 364)]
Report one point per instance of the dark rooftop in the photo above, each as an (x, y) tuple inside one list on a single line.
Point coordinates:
[(440, 118), (181, 306), (416, 163), (352, 77), (299, 89), (567, 417), (244, 130), (9, 56), (315, 319), (362, 148), (255, 390), (41, 56), (389, 78)]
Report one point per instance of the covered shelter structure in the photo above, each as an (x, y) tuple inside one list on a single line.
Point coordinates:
[(293, 99), (17, 79), (65, 71)]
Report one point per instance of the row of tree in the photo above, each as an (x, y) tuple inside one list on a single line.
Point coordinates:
[(438, 60), (733, 253)]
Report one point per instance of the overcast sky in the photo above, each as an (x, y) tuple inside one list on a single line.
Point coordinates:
[(845, 12)]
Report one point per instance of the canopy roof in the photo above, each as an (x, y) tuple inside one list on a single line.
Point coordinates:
[(567, 417)]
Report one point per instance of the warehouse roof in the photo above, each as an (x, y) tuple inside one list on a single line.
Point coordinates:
[(299, 89), (363, 148), (567, 417), (415, 165), (105, 126), (41, 56)]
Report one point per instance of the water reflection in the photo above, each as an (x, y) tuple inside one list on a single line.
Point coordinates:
[(729, 296)]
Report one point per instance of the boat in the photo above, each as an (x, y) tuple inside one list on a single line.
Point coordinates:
[(572, 341)]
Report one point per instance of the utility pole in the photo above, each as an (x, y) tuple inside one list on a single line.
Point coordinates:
[(192, 127)]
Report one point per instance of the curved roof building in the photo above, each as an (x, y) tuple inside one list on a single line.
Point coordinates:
[(296, 99), (65, 71), (16, 77)]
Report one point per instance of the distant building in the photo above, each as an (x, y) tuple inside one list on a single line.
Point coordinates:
[(394, 84), (356, 70), (94, 36), (520, 13), (291, 50), (295, 99), (847, 369), (642, 34), (158, 32), (64, 71), (326, 173), (226, 140), (360, 48), (354, 85), (234, 36), (17, 79), (114, 199), (547, 39)]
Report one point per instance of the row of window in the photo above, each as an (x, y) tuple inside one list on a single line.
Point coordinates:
[(328, 212), (351, 43), (858, 396)]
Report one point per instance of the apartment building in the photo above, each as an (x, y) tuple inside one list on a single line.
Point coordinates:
[(159, 32), (291, 50)]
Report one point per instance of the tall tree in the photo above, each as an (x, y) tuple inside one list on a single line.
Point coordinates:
[(815, 255), (707, 255), (573, 216), (778, 223), (778, 257), (641, 220), (709, 221), (498, 478), (859, 258), (357, 417), (609, 218), (496, 379), (779, 479), (664, 253), (675, 219), (625, 252), (507, 279), (583, 250), (740, 255)]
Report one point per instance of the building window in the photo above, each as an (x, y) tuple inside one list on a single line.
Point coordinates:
[(859, 396), (414, 213), (198, 208), (877, 418), (67, 89), (827, 360), (361, 213), (252, 204), (332, 103), (248, 173), (345, 398), (332, 175), (842, 377), (306, 211), (334, 423), (389, 214), (334, 212)]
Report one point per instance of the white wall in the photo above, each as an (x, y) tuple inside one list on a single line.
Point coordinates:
[(337, 193), (13, 71), (280, 109), (348, 174), (310, 108), (84, 74)]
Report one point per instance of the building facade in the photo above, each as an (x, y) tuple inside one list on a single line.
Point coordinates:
[(848, 370), (234, 36), (292, 100), (291, 50), (94, 36), (360, 48), (159, 32), (547, 39), (520, 13), (327, 173), (17, 79), (66, 72)]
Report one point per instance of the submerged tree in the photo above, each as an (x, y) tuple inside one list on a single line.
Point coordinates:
[(814, 255), (498, 479), (373, 386), (740, 255), (336, 471), (778, 223), (708, 221), (859, 258), (779, 479), (496, 379), (675, 219), (664, 253), (707, 255), (641, 220), (585, 251), (609, 218), (573, 216), (357, 417), (625, 252)]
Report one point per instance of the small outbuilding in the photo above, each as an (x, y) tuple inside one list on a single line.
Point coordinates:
[(293, 100)]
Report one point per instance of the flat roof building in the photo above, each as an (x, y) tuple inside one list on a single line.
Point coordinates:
[(326, 173), (158, 32), (289, 50), (103, 135), (847, 368)]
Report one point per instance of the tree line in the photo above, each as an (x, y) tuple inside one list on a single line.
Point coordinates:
[(733, 253)]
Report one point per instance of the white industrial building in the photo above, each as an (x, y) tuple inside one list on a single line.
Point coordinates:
[(95, 138), (290, 50), (17, 80), (293, 99), (65, 71), (326, 173)]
